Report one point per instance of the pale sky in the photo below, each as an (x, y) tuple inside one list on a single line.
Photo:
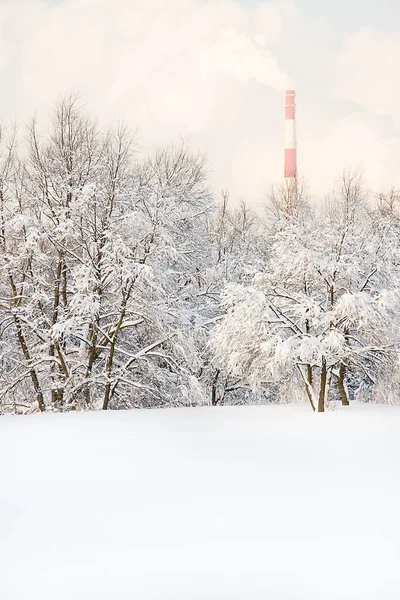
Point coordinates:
[(215, 72)]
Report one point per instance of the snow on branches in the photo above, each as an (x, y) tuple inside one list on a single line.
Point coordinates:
[(324, 305), (125, 284), (97, 248)]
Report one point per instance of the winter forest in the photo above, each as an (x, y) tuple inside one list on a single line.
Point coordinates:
[(126, 284)]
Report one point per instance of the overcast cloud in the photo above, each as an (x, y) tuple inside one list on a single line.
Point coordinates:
[(215, 72)]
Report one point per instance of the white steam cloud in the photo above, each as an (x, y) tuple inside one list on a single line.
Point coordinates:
[(237, 55)]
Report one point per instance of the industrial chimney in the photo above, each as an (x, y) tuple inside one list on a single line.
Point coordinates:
[(290, 136)]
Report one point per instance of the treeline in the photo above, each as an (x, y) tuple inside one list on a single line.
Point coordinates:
[(125, 284)]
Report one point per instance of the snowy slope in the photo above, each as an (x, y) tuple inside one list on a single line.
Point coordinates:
[(229, 503)]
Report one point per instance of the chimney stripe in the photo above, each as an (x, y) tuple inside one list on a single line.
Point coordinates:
[(290, 135)]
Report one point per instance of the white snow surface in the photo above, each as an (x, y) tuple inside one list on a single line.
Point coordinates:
[(249, 503)]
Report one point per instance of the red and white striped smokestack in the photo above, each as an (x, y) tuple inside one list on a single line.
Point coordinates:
[(290, 135)]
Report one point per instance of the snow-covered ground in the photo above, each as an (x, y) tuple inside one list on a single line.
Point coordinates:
[(271, 503)]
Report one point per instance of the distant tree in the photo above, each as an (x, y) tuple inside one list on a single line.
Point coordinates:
[(238, 248)]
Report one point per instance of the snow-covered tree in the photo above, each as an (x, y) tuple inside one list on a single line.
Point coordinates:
[(114, 266), (324, 305), (100, 249), (239, 248)]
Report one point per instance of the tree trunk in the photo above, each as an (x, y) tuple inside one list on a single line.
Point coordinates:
[(33, 374), (90, 361), (322, 389), (308, 386), (342, 385), (110, 359), (214, 397), (309, 374), (57, 393), (25, 350)]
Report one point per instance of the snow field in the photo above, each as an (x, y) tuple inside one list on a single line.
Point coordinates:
[(246, 503)]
